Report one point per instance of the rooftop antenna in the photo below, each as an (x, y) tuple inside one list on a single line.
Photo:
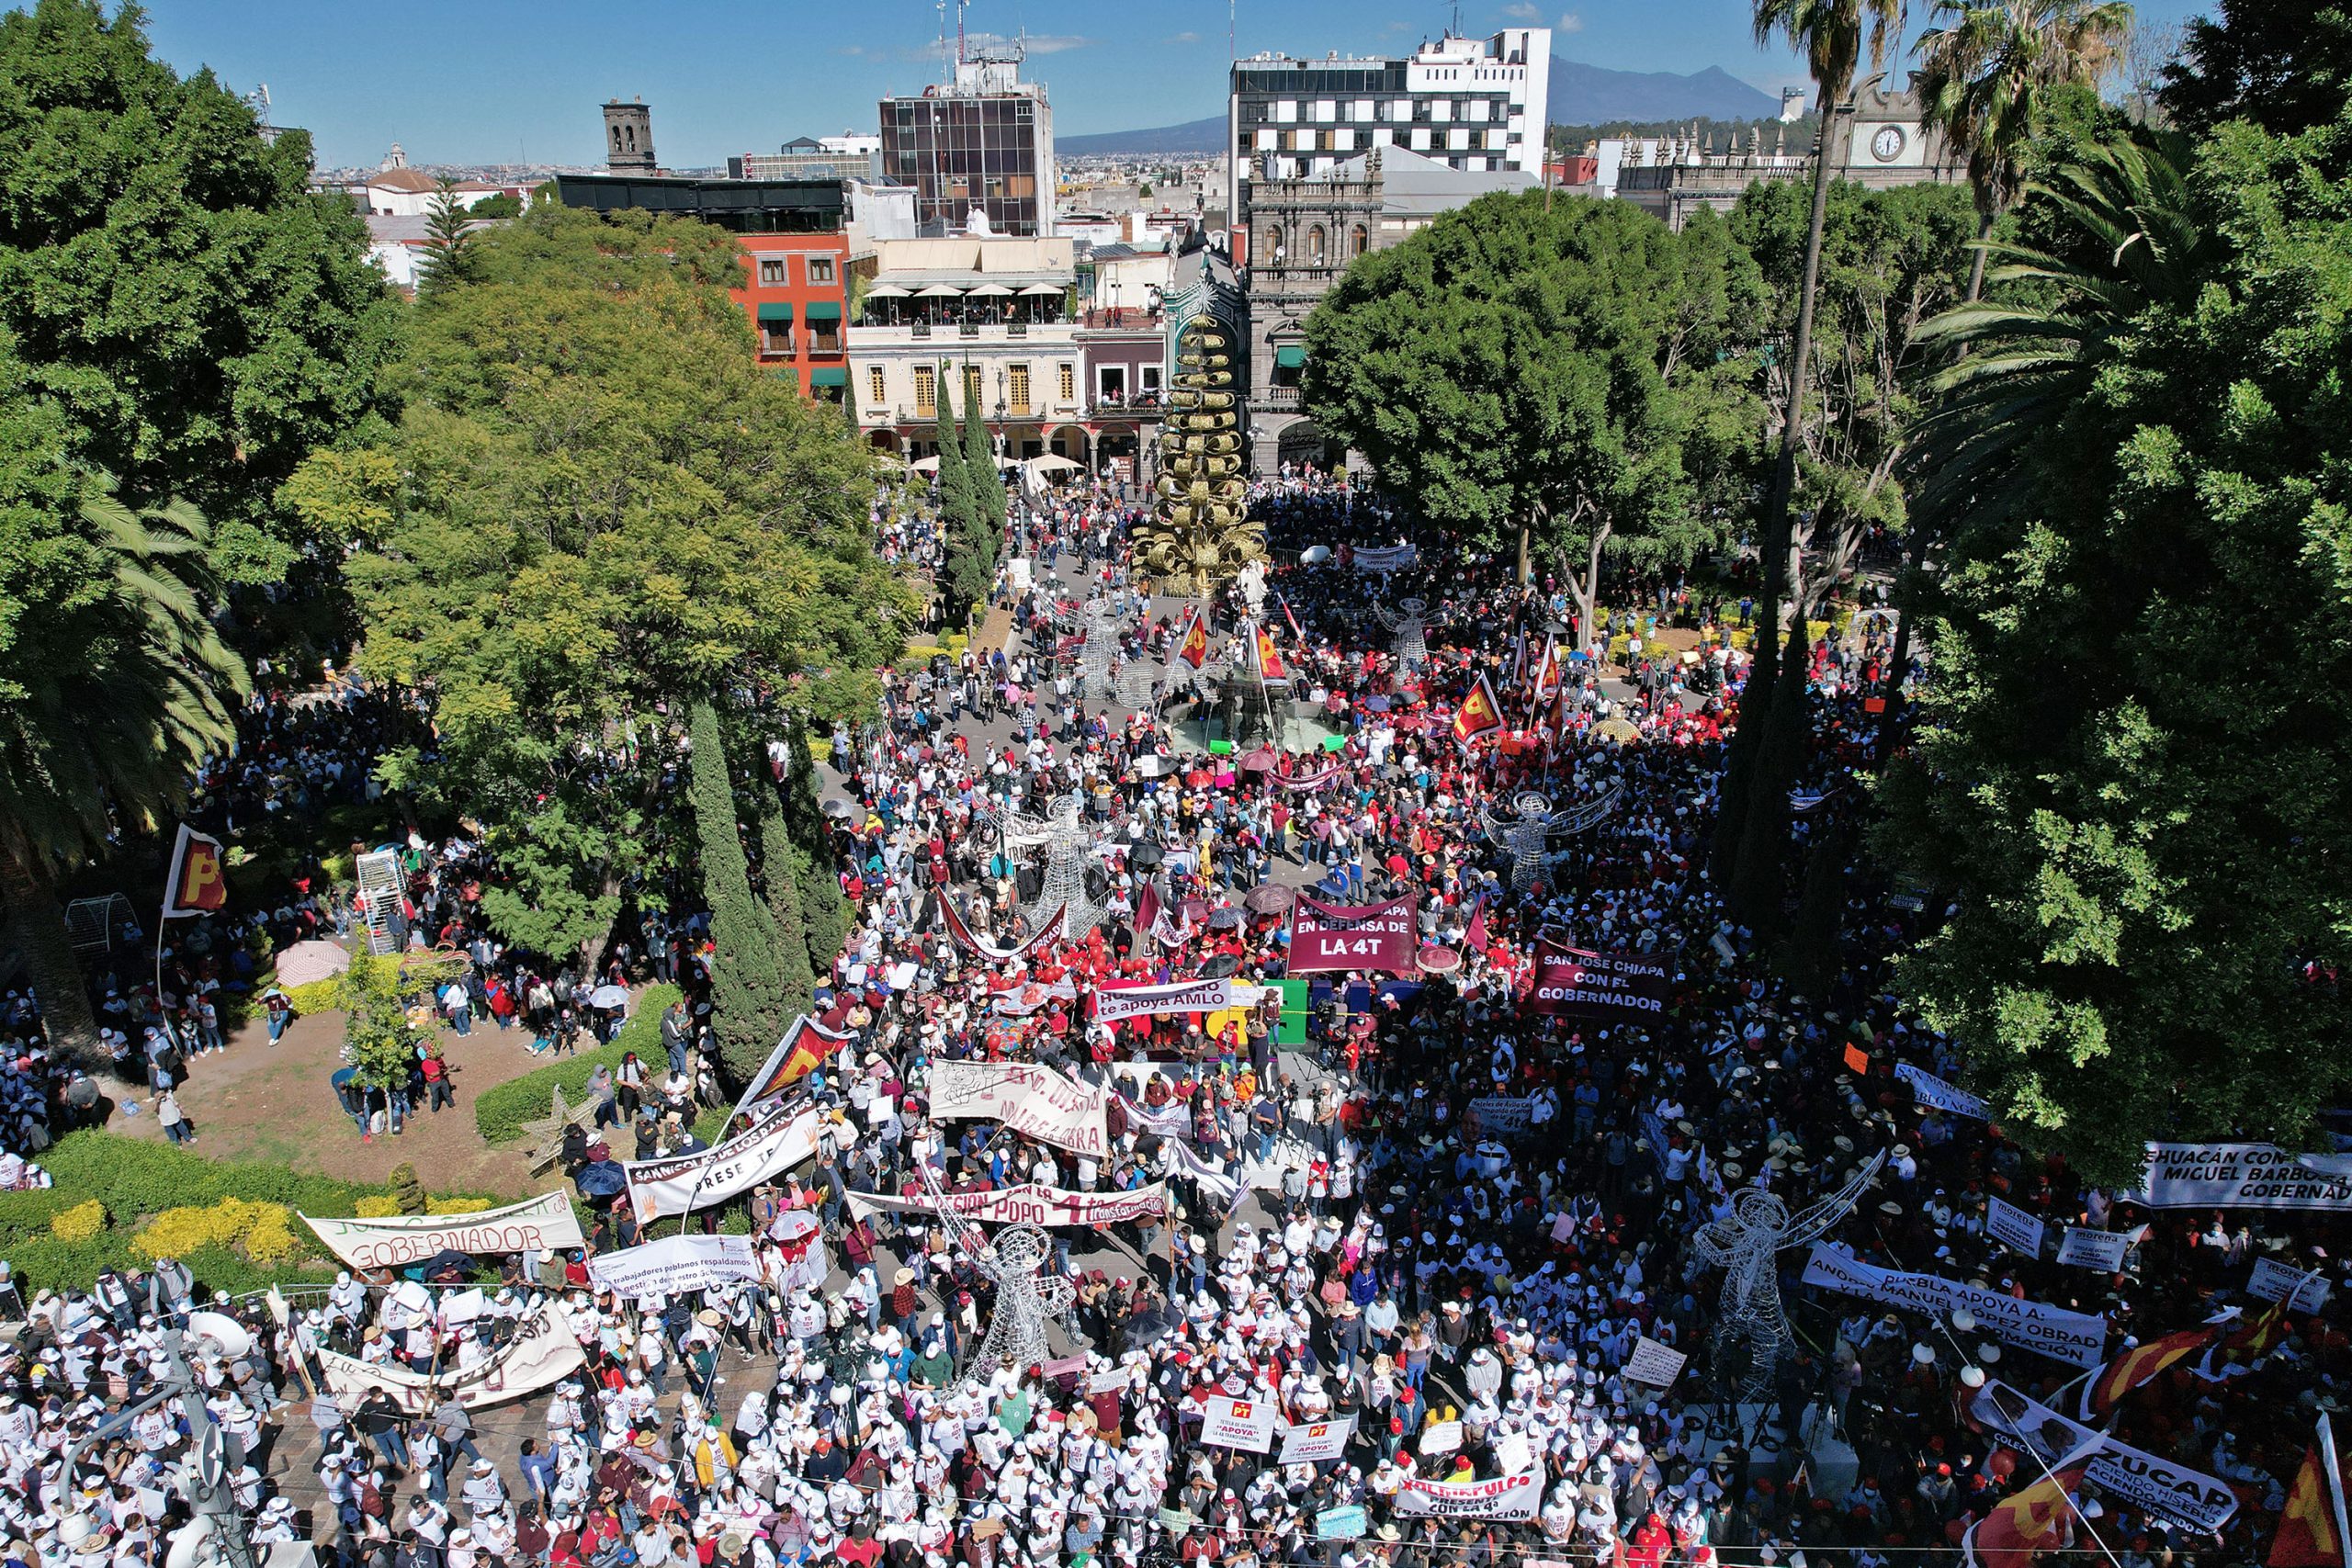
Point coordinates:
[(259, 98), (960, 5), (944, 63), (1231, 50)]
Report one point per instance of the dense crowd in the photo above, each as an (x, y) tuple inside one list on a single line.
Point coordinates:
[(1404, 1201)]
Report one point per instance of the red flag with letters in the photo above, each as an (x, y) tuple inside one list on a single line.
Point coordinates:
[(1270, 658), (1192, 647), (197, 884), (2039, 1518), (1479, 713)]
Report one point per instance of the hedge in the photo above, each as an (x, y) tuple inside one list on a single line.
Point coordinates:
[(502, 1112), (136, 1182)]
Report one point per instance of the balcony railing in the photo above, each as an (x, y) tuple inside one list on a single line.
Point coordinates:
[(922, 329), (1012, 328), (1276, 397)]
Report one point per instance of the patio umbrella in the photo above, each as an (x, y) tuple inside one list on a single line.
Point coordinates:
[(1218, 967), (1271, 899), (609, 997), (1375, 703), (1225, 918), (307, 961), (1617, 730)]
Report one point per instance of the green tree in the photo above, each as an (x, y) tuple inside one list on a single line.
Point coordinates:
[(2134, 805), (599, 510), (780, 882), (964, 577), (448, 257), (202, 319), (2284, 64), (379, 1043), (824, 909), (1766, 749), (498, 204), (115, 683), (749, 1004), (1528, 374)]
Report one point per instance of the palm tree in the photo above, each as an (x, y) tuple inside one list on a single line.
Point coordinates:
[(1831, 34), (112, 688)]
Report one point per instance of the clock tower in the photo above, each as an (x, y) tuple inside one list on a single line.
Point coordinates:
[(1886, 133)]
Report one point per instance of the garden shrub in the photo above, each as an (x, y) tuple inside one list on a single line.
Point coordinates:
[(80, 1222), (501, 1111)]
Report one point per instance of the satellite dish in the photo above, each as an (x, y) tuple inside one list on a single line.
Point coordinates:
[(220, 1334)]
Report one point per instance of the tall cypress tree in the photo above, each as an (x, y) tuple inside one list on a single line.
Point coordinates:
[(961, 578), (824, 910), (779, 871), (748, 1001)]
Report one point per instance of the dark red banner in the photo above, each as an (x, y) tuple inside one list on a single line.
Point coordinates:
[(1369, 936), (1613, 987)]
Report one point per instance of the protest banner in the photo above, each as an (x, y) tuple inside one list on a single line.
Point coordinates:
[(1048, 931), (1037, 1102), (1380, 937), (1343, 1523), (2071, 1337), (1173, 1120), (1441, 1437), (2102, 1250), (1028, 1204), (1653, 1363), (1931, 1090), (545, 1221), (2236, 1176), (1238, 1423), (1503, 1114), (1113, 1003), (2190, 1496), (781, 1138), (1386, 559), (1608, 986), (1033, 996), (1317, 1441), (543, 1352), (1504, 1497), (2012, 1226), (2272, 1279), (672, 1265), (1112, 1381)]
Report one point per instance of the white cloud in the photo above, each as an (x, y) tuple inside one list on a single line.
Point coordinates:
[(1569, 22), (1036, 43), (1524, 11), (1185, 37)]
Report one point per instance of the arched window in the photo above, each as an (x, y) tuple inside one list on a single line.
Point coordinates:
[(1315, 245), (616, 139), (1356, 243)]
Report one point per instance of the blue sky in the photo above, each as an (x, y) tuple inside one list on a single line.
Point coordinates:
[(489, 81)]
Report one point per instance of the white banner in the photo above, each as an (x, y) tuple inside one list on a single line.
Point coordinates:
[(1033, 995), (1503, 1113), (1504, 1497), (1037, 1102), (2072, 1337), (1386, 558), (1238, 1423), (545, 1221), (1441, 1437), (1028, 1204), (1653, 1363), (1317, 1442), (1113, 1003), (780, 1139), (2236, 1176), (1929, 1089), (2008, 1224), (675, 1264), (542, 1353), (2272, 1279), (2190, 1496), (1173, 1120), (2102, 1250)]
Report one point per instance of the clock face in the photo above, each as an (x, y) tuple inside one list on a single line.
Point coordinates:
[(1886, 143)]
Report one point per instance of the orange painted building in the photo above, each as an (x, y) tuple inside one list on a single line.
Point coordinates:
[(796, 292)]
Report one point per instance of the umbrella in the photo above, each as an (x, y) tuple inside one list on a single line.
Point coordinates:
[(1147, 854), (308, 961), (602, 1179), (1225, 918), (1271, 898), (1438, 960), (1376, 705), (1218, 967), (609, 997), (1617, 730), (1258, 761), (1315, 555), (1195, 910), (839, 808)]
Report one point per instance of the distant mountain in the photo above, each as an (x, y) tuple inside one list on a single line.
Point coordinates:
[(1594, 95), (1192, 136)]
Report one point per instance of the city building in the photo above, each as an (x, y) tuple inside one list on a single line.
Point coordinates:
[(982, 144), (849, 156), (1476, 105), (1304, 232), (1792, 105), (396, 190), (1882, 141), (628, 137), (992, 319)]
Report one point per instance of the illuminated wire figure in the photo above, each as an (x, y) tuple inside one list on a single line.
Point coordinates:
[(1068, 844), (1094, 655), (1026, 1300), (1411, 627), (1751, 1331), (1526, 835)]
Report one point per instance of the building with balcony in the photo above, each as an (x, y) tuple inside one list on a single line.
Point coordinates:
[(849, 156), (982, 143), (1476, 105), (993, 321)]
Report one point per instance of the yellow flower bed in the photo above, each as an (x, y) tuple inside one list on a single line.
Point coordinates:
[(79, 1223), (456, 1205), (378, 1208), (264, 1231)]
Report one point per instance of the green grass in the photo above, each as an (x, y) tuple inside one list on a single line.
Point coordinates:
[(502, 1112)]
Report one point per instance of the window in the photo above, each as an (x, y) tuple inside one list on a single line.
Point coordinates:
[(1356, 241), (1315, 245), (775, 337), (1111, 383), (1019, 395), (926, 391), (971, 387), (1148, 377), (775, 272), (875, 392), (824, 336), (820, 270), (1068, 383)]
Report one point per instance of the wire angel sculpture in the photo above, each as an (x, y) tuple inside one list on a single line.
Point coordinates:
[(1026, 1300), (1526, 835), (1411, 627), (1748, 1319), (1095, 654), (1068, 845), (1137, 683)]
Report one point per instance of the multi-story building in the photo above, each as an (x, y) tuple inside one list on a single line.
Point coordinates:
[(991, 321), (1475, 105), (983, 143), (849, 156)]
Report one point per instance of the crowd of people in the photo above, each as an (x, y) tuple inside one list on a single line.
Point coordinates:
[(1473, 1249)]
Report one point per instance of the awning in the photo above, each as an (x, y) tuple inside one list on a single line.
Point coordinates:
[(828, 376), (775, 311), (1041, 291), (885, 291), (824, 310), (1290, 356), (996, 290), (939, 291)]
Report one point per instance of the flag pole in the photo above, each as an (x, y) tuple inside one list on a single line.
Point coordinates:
[(2335, 1483)]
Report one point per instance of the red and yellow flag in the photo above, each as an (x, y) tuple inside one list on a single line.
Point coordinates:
[(196, 885), (2139, 1365), (2307, 1536), (1478, 714), (1270, 658), (1192, 647), (2023, 1526), (1548, 669)]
